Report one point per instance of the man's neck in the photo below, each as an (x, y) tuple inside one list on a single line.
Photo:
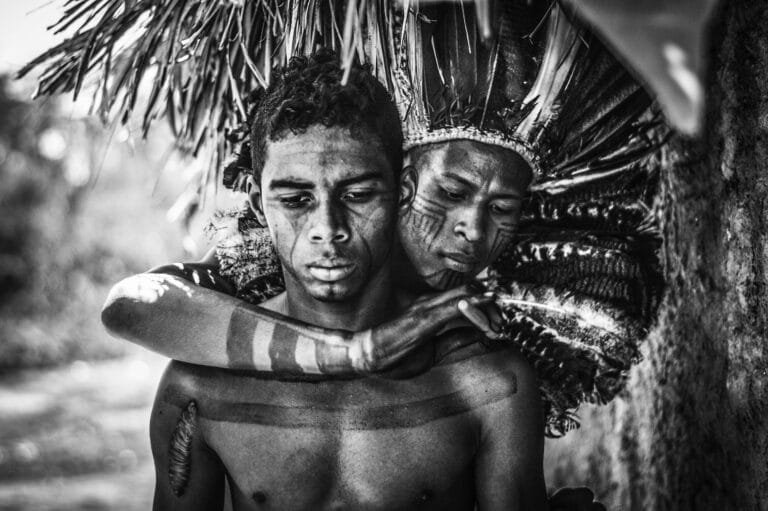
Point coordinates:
[(373, 305), (406, 276)]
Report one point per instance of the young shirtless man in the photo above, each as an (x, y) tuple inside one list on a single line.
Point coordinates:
[(465, 433)]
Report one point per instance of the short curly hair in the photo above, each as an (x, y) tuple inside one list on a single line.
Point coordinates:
[(309, 91)]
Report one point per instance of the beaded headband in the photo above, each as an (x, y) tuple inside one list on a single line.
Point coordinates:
[(494, 138)]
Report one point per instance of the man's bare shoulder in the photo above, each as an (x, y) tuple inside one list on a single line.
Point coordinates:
[(499, 361), (505, 365), (183, 382)]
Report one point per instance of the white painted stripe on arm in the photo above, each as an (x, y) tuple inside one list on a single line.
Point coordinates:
[(306, 356), (262, 338)]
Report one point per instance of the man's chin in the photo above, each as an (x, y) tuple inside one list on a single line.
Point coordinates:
[(331, 292), (446, 278)]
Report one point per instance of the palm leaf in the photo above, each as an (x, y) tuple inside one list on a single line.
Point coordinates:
[(203, 57)]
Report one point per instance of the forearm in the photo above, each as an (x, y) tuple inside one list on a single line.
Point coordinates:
[(170, 316)]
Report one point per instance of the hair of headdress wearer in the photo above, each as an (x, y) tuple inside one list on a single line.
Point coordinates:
[(310, 91)]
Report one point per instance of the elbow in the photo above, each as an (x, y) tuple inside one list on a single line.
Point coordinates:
[(112, 316), (122, 306), (364, 357)]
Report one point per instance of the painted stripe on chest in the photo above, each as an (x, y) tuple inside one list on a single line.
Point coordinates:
[(411, 414)]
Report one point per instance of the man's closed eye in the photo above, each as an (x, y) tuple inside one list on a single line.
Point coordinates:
[(295, 200), (454, 195), (359, 196)]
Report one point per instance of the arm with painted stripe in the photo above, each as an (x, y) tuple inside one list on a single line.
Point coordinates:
[(189, 322)]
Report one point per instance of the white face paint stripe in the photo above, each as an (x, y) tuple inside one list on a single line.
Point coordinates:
[(306, 355), (262, 338)]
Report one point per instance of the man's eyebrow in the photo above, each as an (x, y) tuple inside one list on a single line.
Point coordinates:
[(462, 180), (509, 196), (362, 177), (469, 183), (291, 183)]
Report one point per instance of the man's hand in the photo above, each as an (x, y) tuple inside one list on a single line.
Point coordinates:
[(574, 499), (380, 347), (487, 317)]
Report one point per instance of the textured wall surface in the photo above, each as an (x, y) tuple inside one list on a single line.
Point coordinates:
[(691, 432)]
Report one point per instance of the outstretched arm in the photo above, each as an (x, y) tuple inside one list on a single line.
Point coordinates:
[(172, 316)]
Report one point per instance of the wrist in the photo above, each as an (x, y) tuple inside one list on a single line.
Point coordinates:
[(361, 352)]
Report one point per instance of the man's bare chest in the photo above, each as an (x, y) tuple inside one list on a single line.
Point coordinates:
[(370, 443), (427, 466)]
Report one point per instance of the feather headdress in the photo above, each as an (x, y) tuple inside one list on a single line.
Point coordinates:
[(582, 281), (529, 89)]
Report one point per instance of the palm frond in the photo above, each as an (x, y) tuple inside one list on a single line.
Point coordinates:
[(199, 58)]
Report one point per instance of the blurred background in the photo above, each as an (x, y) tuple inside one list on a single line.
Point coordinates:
[(81, 207)]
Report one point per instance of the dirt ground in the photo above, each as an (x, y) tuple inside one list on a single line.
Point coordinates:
[(77, 437)]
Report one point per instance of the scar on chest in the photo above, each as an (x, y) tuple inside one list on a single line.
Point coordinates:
[(348, 417), (179, 452)]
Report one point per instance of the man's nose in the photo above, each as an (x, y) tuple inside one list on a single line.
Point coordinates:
[(470, 224), (328, 224)]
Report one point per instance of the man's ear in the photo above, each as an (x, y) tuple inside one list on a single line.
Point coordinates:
[(253, 190), (409, 180)]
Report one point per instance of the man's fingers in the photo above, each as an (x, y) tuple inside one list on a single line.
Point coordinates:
[(474, 314), (445, 306), (478, 318), (436, 299), (471, 289), (494, 317), (482, 299)]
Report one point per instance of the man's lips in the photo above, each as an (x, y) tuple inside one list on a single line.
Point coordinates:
[(331, 272), (460, 262)]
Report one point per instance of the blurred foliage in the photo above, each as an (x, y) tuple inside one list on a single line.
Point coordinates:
[(78, 212)]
